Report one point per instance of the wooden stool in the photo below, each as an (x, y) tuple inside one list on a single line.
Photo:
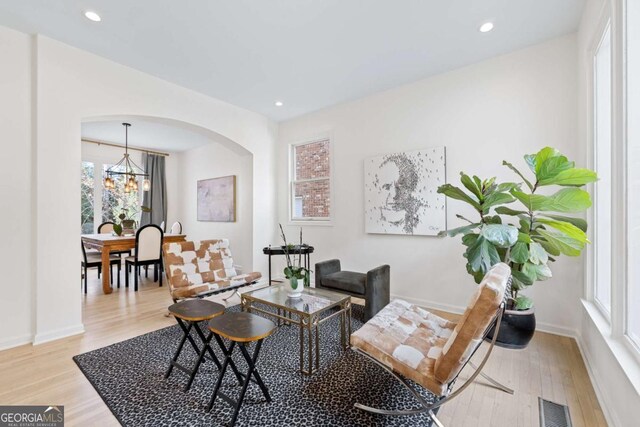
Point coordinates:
[(240, 328), (188, 314)]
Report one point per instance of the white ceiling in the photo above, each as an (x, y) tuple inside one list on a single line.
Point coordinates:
[(145, 134), (308, 53)]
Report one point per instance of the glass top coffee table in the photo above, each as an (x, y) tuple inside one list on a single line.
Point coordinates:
[(306, 312)]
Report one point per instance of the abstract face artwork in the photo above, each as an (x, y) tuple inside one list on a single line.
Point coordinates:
[(401, 192)]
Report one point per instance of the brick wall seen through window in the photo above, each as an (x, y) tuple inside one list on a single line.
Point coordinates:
[(311, 187)]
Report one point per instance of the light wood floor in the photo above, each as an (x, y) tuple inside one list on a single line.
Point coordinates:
[(550, 367)]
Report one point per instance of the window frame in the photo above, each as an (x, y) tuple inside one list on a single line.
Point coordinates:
[(327, 221), (631, 343), (604, 26)]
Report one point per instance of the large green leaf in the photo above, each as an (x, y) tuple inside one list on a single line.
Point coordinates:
[(513, 168), (456, 193), (470, 185), (469, 239), (578, 222), (537, 254), (460, 230), (523, 279), (552, 167), (503, 210), (496, 199), (543, 155), (523, 302), (531, 161), (519, 253), (502, 235), (492, 219), (563, 243), (482, 255), (536, 271), (576, 177), (565, 200), (477, 275), (548, 247), (566, 228), (524, 238)]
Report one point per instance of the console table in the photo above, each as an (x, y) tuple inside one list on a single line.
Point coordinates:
[(305, 250)]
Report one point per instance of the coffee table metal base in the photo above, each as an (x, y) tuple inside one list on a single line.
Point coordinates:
[(309, 323)]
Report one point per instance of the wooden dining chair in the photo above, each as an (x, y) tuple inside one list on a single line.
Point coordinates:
[(107, 228), (92, 260), (176, 228), (148, 251)]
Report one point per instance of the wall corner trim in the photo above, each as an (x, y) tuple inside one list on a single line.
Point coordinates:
[(58, 333)]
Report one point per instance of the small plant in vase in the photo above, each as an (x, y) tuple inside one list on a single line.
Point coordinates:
[(298, 276), (127, 224)]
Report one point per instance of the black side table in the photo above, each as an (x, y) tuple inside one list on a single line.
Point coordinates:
[(188, 313), (241, 329), (305, 250)]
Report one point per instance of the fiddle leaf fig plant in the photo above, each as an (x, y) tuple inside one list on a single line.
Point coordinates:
[(531, 235)]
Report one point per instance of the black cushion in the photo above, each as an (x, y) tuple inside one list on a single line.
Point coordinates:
[(348, 281)]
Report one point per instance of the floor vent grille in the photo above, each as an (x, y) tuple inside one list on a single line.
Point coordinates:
[(553, 414)]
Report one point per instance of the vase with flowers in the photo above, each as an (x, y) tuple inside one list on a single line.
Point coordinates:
[(297, 276)]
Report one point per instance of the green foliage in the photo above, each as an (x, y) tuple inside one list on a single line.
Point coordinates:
[(117, 228), (528, 237)]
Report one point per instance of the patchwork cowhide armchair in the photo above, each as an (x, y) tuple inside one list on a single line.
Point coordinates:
[(410, 342), (201, 268)]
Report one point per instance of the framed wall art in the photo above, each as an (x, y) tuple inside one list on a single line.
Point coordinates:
[(217, 199), (401, 192)]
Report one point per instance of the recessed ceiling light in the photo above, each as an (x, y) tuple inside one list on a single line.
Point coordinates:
[(92, 16), (279, 103), (486, 27)]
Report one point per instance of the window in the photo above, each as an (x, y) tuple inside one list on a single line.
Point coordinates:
[(86, 197), (633, 173), (310, 181), (602, 165)]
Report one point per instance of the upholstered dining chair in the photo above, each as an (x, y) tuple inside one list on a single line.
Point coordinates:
[(176, 228), (148, 251), (412, 343), (162, 227), (93, 260)]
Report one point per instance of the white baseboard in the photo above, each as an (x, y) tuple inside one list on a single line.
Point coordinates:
[(15, 341), (58, 333), (610, 417), (556, 330)]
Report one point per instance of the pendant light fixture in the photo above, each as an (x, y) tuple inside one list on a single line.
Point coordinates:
[(128, 169)]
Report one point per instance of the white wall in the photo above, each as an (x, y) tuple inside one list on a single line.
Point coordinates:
[(212, 161), (104, 154), (71, 86), (498, 109), (15, 188)]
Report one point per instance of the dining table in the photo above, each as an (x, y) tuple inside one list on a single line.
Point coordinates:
[(107, 243)]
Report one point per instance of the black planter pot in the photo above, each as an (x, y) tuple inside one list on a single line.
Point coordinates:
[(516, 330)]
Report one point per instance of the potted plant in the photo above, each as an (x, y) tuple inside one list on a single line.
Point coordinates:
[(297, 275), (127, 224), (527, 238)]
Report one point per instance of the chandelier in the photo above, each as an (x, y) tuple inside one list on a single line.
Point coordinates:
[(127, 168)]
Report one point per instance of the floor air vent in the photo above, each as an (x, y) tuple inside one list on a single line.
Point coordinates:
[(553, 414)]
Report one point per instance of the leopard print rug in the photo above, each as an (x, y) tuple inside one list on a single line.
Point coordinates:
[(129, 376)]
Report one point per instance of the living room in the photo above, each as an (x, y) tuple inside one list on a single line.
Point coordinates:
[(463, 87)]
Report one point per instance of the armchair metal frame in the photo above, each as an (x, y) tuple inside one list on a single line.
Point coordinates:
[(432, 408)]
